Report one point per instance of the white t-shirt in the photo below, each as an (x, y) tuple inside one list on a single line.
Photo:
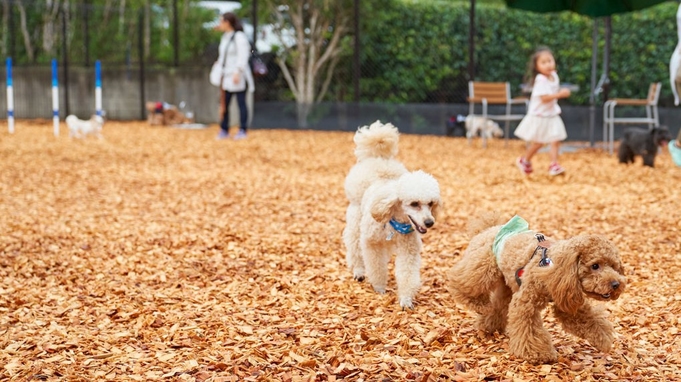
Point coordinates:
[(543, 86), (238, 52)]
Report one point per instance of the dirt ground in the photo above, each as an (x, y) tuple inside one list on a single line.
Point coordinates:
[(162, 254)]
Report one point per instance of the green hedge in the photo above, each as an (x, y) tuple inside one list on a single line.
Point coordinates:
[(417, 51)]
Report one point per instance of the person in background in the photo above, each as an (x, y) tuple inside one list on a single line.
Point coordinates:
[(542, 125), (237, 77)]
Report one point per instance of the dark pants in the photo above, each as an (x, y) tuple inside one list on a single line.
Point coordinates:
[(243, 110)]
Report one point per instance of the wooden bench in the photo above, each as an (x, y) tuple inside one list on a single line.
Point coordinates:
[(495, 93), (652, 118)]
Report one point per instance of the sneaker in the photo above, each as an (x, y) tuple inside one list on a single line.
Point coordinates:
[(555, 169), (524, 166), (240, 135), (222, 135)]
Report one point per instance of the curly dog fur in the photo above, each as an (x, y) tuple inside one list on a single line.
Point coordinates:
[(380, 189), (643, 142), (583, 268)]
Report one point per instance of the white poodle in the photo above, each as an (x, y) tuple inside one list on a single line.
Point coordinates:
[(390, 208), (485, 127), (79, 128)]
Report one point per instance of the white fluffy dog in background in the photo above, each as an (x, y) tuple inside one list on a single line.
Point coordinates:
[(79, 128), (390, 208), (485, 127)]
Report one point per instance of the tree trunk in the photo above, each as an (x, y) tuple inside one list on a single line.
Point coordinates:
[(147, 28), (308, 66), (25, 33), (303, 111), (121, 17)]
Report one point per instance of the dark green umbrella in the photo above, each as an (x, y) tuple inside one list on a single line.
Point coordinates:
[(594, 9)]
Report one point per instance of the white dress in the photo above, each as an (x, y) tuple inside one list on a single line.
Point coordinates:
[(542, 124), (238, 52)]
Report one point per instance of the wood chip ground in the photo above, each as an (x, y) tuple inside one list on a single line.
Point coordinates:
[(162, 254)]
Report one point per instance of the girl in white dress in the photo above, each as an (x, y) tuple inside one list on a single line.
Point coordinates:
[(542, 125)]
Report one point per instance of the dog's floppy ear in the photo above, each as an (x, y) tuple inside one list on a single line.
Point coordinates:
[(437, 209), (384, 203), (563, 281)]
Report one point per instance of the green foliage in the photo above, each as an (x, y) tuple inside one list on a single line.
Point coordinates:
[(113, 31), (412, 49)]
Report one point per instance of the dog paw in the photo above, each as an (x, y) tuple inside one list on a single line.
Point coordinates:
[(542, 358), (406, 303), (378, 289), (359, 278), (603, 344)]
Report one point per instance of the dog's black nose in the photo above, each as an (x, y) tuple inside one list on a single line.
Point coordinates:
[(429, 223), (615, 284)]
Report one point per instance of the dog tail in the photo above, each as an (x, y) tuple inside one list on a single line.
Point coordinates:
[(376, 141), (483, 221)]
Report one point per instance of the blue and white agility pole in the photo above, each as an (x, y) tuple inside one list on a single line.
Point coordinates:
[(10, 97), (55, 98), (98, 87)]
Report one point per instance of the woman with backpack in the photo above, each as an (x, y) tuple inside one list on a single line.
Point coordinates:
[(237, 78)]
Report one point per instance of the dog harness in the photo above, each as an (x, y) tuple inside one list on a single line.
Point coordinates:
[(545, 261), (403, 228), (515, 226)]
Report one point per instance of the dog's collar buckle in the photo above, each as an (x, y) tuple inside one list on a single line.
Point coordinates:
[(542, 246)]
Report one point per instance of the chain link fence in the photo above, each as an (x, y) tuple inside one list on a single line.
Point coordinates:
[(136, 46)]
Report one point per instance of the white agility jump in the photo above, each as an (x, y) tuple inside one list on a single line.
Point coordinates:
[(55, 94)]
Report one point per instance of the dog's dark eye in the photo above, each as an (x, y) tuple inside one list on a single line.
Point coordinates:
[(431, 204), (414, 204), (595, 266)]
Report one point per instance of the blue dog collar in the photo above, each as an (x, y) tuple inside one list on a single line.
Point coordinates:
[(403, 228)]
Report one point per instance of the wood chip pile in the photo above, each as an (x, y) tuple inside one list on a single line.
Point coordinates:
[(162, 254)]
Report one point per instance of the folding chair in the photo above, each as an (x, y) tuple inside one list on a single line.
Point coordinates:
[(652, 118), (495, 93)]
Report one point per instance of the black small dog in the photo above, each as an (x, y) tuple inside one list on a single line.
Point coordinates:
[(643, 142), (456, 126)]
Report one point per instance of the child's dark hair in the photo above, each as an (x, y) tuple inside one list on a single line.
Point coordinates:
[(532, 65), (233, 21)]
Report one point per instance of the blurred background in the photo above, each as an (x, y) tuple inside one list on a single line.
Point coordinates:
[(332, 64)]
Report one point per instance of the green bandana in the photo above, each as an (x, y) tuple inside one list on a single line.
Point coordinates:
[(514, 226)]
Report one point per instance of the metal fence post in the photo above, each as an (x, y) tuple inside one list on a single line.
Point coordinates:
[(255, 22), (65, 61), (471, 43), (356, 63), (86, 31), (140, 47), (176, 36)]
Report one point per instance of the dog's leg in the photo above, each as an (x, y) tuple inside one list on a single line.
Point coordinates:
[(527, 337), (376, 259), (649, 158), (625, 154), (407, 272), (472, 279), (353, 254), (589, 323), (495, 320)]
